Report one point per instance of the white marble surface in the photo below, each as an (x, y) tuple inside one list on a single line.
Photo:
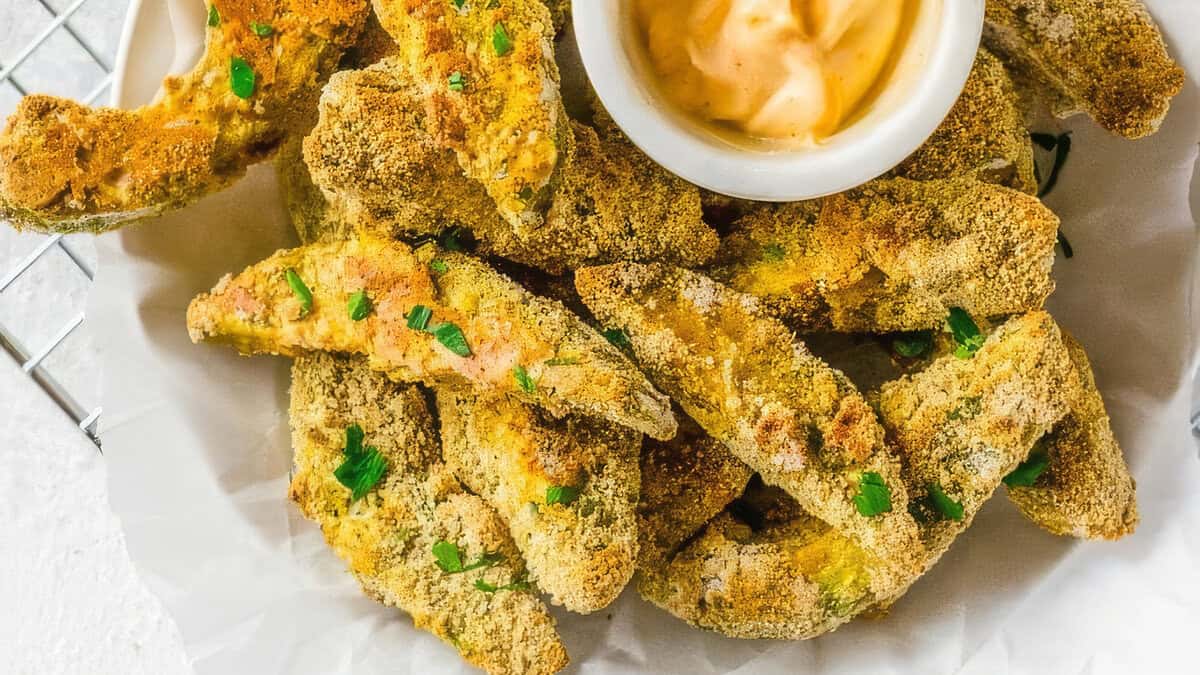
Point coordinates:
[(73, 602)]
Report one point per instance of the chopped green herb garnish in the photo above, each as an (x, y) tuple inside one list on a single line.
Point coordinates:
[(524, 381), (457, 81), (449, 558), (241, 77), (873, 496), (261, 29), (362, 467), (774, 252), (618, 338), (944, 504), (458, 4), (418, 317), (214, 17), (491, 588), (301, 291), (500, 39), (563, 361), (457, 238), (1028, 472), (913, 345), (561, 494), (359, 306), (451, 337), (439, 267), (966, 333)]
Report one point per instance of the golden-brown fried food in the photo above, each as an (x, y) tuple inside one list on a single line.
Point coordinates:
[(894, 255), (686, 481), (766, 569), (444, 319), (1102, 57), (1086, 490), (567, 488), (373, 157), (387, 538), (984, 136), (742, 376), (65, 167), (487, 77)]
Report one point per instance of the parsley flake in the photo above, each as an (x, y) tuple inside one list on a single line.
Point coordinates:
[(214, 17), (618, 338), (451, 337), (300, 290), (524, 381), (943, 503), (449, 558), (1028, 472), (458, 4), (966, 333), (873, 496), (774, 252), (518, 585), (439, 267), (261, 29), (913, 345), (501, 42), (359, 306), (561, 494), (418, 317), (457, 81), (362, 467), (241, 77)]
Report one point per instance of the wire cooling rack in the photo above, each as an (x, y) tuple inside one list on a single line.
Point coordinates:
[(57, 28)]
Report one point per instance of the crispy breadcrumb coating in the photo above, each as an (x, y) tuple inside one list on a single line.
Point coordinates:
[(767, 569), (387, 537), (65, 167), (503, 325), (1086, 490), (894, 255), (984, 136), (743, 377), (686, 481), (373, 157), (1105, 58), (581, 550), (506, 121)]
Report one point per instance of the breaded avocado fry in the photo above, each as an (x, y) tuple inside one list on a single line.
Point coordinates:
[(443, 319), (894, 255), (398, 537), (567, 488), (743, 377), (66, 167), (1105, 58), (983, 136), (1085, 489)]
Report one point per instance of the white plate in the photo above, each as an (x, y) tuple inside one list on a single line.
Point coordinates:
[(197, 447)]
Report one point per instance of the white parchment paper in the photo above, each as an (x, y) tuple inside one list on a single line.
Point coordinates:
[(197, 444)]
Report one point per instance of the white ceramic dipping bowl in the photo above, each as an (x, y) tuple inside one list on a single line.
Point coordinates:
[(924, 84)]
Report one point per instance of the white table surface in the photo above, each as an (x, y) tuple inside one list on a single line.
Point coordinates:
[(70, 597)]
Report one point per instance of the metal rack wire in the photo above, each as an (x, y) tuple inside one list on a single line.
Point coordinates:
[(32, 360)]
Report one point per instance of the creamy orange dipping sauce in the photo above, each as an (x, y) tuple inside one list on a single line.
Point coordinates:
[(792, 70)]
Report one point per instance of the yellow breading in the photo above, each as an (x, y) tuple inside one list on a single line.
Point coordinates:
[(767, 569), (387, 537), (894, 255), (1086, 490), (1105, 58), (372, 155), (744, 378), (506, 121), (686, 481), (65, 167), (503, 325), (581, 549), (984, 136)]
